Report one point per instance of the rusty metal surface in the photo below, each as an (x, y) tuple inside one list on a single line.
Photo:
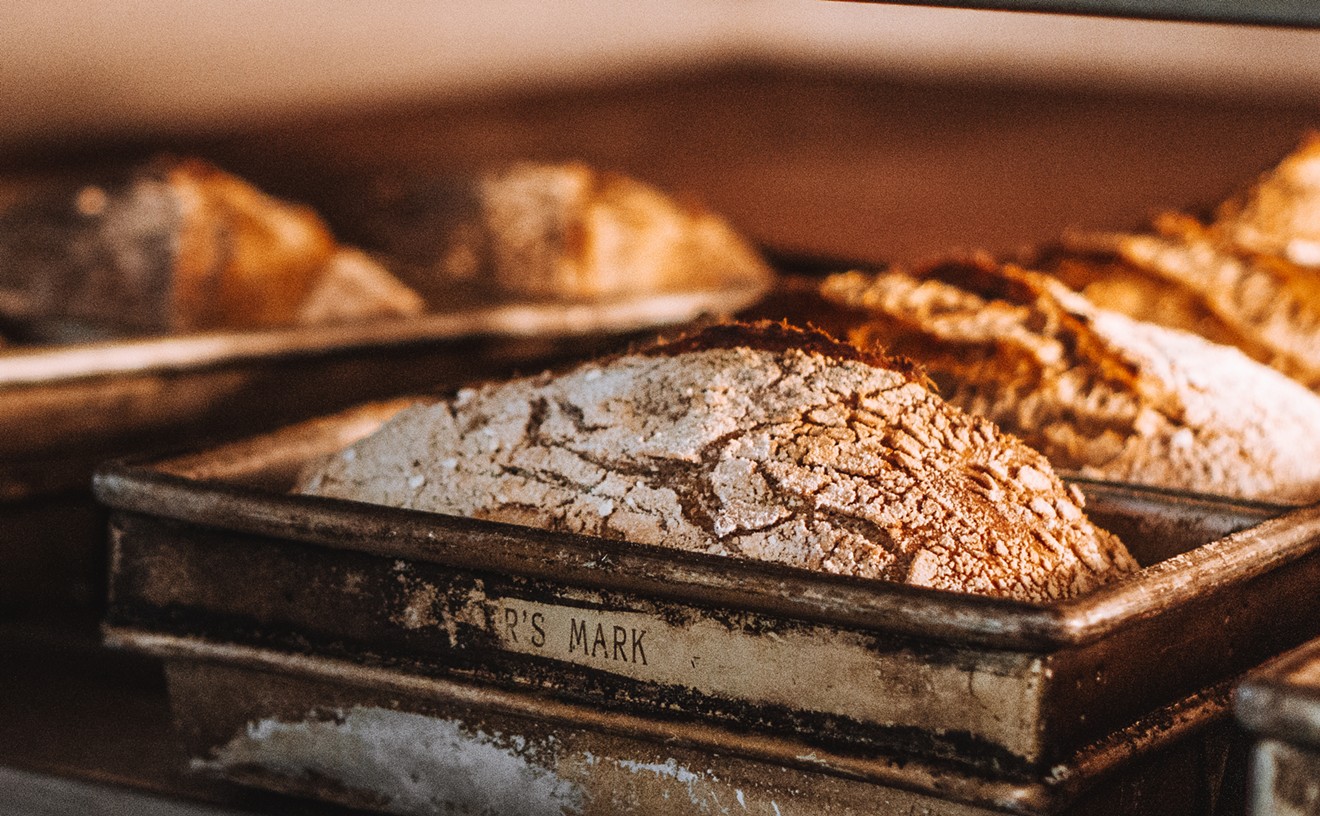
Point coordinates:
[(207, 546), (385, 739)]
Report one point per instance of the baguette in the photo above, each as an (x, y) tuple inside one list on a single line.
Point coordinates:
[(762, 442)]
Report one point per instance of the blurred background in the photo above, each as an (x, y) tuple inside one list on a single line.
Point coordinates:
[(864, 131), (846, 130), (89, 69)]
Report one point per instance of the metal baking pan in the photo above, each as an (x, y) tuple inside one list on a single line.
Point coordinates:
[(1280, 706), (394, 740), (209, 548), (64, 409)]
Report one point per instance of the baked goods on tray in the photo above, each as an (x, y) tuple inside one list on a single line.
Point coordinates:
[(1249, 276), (1094, 390), (179, 245), (757, 441), (539, 231)]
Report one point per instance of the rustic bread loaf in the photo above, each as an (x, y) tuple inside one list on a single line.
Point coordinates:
[(758, 441), (181, 246), (1094, 390), (539, 231), (1249, 277)]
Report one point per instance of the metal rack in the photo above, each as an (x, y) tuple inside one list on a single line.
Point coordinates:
[(1291, 13)]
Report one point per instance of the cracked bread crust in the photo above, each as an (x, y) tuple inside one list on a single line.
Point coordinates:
[(1095, 391), (786, 446), (1250, 277)]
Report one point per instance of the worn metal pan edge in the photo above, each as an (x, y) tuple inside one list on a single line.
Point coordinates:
[(708, 579), (1272, 703), (1134, 492), (1235, 558), (1065, 782), (23, 366), (575, 559)]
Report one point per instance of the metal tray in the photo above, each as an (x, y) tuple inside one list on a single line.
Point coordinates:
[(390, 740), (1280, 705), (65, 409), (1290, 13), (208, 548)]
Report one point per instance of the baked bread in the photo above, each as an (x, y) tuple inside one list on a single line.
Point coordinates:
[(1097, 392), (761, 442), (1248, 277), (181, 246), (537, 231)]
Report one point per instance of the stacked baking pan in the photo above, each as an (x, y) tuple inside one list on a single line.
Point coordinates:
[(418, 662)]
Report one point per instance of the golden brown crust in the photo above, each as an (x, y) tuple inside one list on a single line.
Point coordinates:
[(1093, 390), (245, 258), (537, 231), (178, 246), (781, 336), (1250, 277)]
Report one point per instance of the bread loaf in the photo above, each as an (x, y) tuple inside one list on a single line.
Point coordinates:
[(760, 442), (539, 231), (1249, 277), (181, 246), (1095, 391)]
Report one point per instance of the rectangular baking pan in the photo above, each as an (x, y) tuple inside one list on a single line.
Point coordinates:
[(210, 548), (389, 739), (1280, 706), (65, 409)]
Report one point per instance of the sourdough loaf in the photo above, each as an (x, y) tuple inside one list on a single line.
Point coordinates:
[(1095, 391), (540, 231), (181, 246), (760, 442), (1249, 277)]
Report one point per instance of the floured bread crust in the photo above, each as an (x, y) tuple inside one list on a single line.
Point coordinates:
[(1095, 391), (759, 442), (1250, 277)]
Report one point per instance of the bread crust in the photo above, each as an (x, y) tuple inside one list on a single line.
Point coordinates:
[(542, 231), (1095, 391), (177, 246), (1249, 277), (762, 442)]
